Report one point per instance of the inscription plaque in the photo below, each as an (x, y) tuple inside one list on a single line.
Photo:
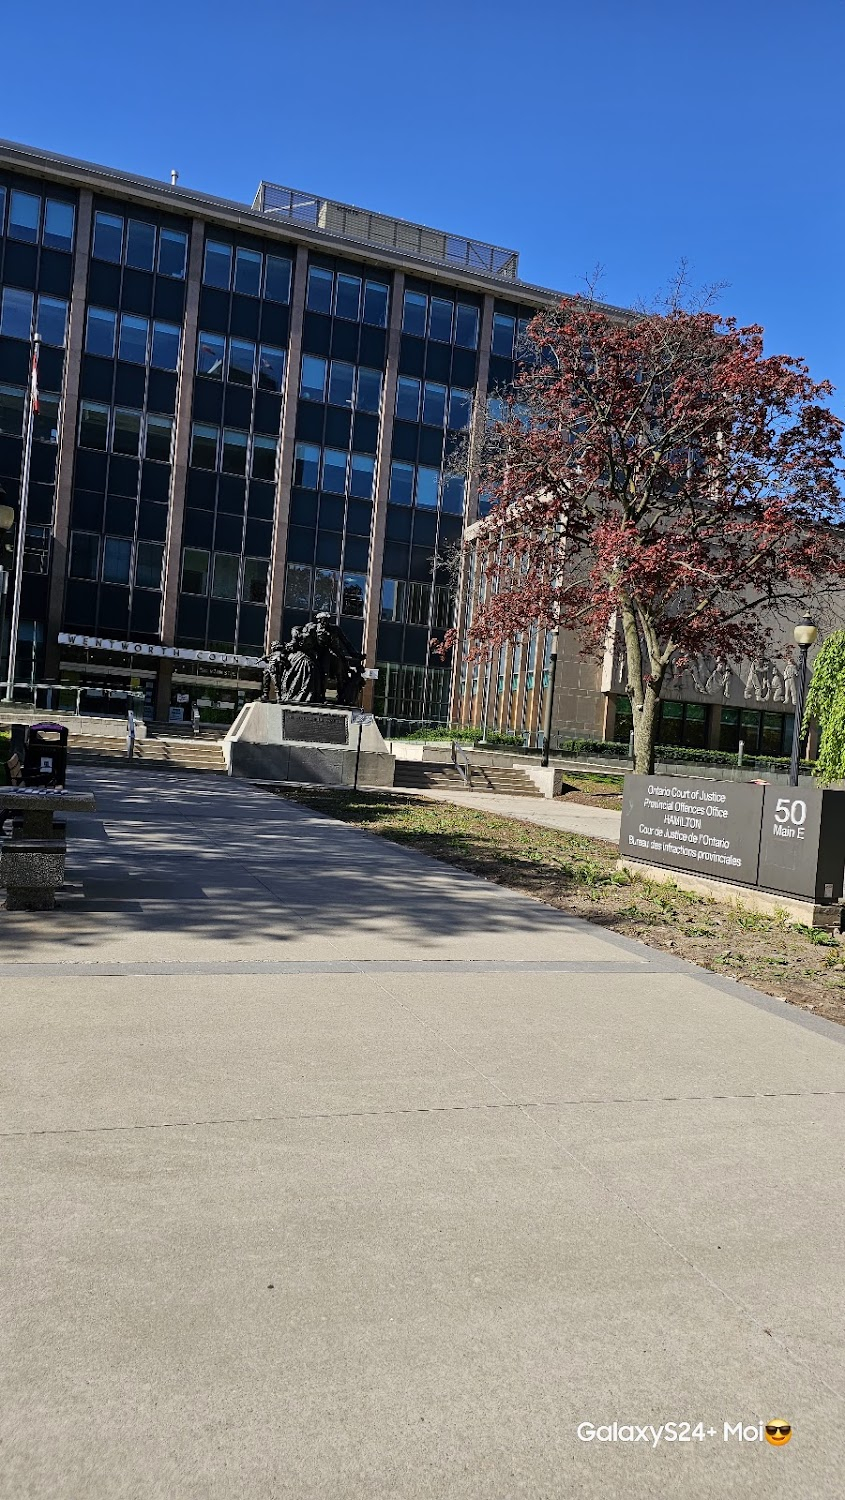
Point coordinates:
[(691, 823), (314, 728)]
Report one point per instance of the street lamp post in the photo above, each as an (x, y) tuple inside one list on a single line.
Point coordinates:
[(804, 635)]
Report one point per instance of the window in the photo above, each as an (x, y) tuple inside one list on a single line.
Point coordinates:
[(312, 381), (417, 603), (271, 368), (165, 351), (16, 314), (466, 326), (347, 297), (204, 446), (369, 390), (45, 420), (428, 485), (24, 216), (172, 253), (140, 245), (218, 264), (401, 483), (408, 398), (319, 294), (375, 304), (84, 554), (126, 432), (117, 559), (503, 332), (224, 584), (334, 470), (241, 362), (99, 336), (306, 466), (440, 320), (297, 586), (93, 425), (452, 499), (277, 279), (108, 237), (248, 272), (52, 320), (134, 338), (341, 383), (414, 314), (194, 571), (264, 457), (460, 410), (353, 594), (434, 404), (211, 355), (441, 614), (58, 225), (159, 439), (234, 451), (325, 590), (254, 585), (12, 399), (361, 475), (36, 554), (390, 598), (149, 558)]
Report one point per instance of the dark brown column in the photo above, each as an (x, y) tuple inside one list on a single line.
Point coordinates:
[(382, 484), (287, 449)]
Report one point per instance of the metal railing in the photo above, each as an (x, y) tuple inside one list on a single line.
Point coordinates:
[(460, 761)]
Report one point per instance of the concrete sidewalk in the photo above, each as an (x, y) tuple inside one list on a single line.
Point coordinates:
[(333, 1173), (572, 817)]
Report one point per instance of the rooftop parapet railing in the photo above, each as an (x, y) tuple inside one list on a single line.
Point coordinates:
[(379, 229)]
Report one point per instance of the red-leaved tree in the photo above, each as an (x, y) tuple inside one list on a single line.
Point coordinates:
[(661, 472)]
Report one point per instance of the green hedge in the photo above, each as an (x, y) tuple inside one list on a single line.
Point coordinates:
[(681, 754)]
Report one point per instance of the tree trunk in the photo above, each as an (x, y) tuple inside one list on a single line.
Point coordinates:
[(645, 731)]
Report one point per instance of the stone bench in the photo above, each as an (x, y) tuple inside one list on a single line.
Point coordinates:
[(32, 859)]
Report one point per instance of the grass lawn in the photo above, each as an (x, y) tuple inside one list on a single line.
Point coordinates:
[(579, 875)]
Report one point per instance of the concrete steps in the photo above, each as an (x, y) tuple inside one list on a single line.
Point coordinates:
[(154, 753), (419, 776)]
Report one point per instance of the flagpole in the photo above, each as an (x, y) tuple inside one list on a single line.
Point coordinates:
[(31, 407)]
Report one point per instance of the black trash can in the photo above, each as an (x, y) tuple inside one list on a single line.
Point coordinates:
[(45, 755)]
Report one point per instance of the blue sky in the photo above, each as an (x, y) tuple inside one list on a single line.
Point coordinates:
[(623, 133)]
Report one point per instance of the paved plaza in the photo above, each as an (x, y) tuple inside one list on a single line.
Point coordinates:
[(333, 1173)]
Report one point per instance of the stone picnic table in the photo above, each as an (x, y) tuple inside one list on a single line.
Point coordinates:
[(32, 860)]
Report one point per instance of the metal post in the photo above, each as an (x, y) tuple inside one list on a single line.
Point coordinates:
[(486, 709), (631, 747), (22, 510), (358, 754), (130, 734), (549, 703), (800, 695), (740, 751)]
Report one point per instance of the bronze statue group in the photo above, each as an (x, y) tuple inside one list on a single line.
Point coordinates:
[(316, 654)]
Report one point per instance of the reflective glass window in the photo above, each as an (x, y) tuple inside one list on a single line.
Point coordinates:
[(297, 586), (204, 446), (12, 399), (347, 303), (52, 320), (134, 338), (306, 468), (369, 390), (277, 279), (117, 559), (172, 252), (108, 237), (16, 314), (140, 245), (234, 451), (45, 420), (248, 272), (218, 264), (428, 484), (165, 351), (224, 582), (58, 225), (503, 332), (271, 368), (440, 320), (434, 404), (2, 209), (341, 383), (460, 409), (312, 380), (319, 295), (264, 457), (159, 439), (375, 304), (241, 361), (93, 425), (401, 483), (149, 559), (211, 355), (361, 475), (452, 500), (84, 554), (126, 431), (466, 326), (334, 470), (24, 216), (389, 598), (414, 314), (194, 571), (408, 398), (254, 584), (325, 590), (352, 595), (417, 603)]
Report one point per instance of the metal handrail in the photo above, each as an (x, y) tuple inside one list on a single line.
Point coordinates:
[(460, 761)]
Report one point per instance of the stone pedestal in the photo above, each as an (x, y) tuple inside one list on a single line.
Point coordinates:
[(299, 743)]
